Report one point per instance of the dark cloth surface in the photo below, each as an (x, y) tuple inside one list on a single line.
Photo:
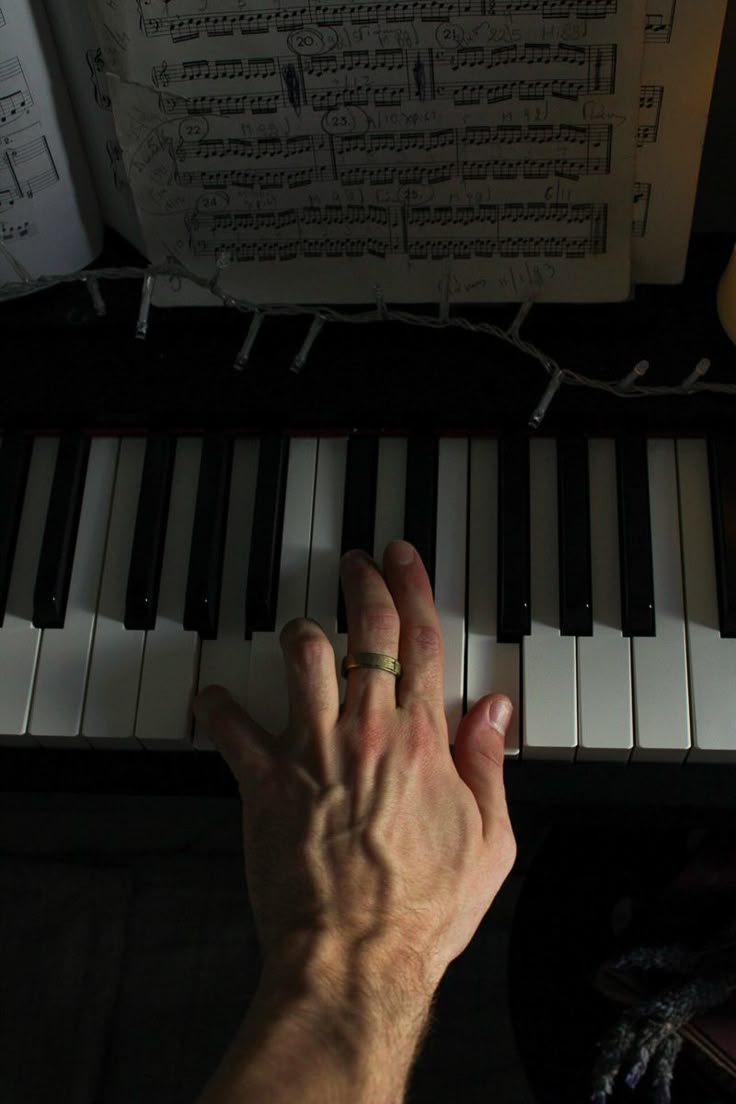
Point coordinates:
[(121, 984), (128, 958), (62, 943)]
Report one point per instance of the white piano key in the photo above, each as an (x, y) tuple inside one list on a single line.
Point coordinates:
[(226, 660), (268, 694), (20, 640), (390, 494), (661, 701), (711, 657), (117, 653), (548, 658), (492, 667), (604, 659), (324, 559), (171, 653), (63, 661), (449, 570)]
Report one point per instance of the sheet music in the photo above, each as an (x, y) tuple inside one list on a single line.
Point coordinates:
[(81, 59), (680, 57), (49, 219), (327, 149)]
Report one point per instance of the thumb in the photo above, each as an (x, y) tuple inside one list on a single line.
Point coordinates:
[(241, 741), (479, 754)]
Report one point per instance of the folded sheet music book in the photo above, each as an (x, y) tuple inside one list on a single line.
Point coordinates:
[(468, 150)]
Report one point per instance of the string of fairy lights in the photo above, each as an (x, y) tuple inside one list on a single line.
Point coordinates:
[(628, 387)]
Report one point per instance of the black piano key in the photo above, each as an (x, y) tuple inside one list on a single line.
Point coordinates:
[(147, 553), (359, 506), (514, 560), (15, 459), (206, 558), (635, 538), (722, 465), (573, 528), (268, 526), (51, 591), (420, 503)]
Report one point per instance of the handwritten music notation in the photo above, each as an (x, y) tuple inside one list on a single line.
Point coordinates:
[(15, 96), (96, 66), (286, 18), (25, 170)]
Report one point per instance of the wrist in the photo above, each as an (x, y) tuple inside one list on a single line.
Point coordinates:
[(367, 1022), (368, 977), (324, 1025)]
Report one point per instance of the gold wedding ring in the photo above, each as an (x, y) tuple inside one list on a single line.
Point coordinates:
[(377, 660)]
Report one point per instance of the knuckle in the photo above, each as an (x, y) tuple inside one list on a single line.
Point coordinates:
[(426, 638), (379, 620), (369, 733), (422, 717), (418, 749)]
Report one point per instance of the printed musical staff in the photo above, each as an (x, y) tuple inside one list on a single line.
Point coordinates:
[(406, 74), (25, 170), (317, 91), (650, 110), (642, 197), (286, 18), (393, 134), (490, 230), (381, 159), (15, 96), (659, 21), (15, 231)]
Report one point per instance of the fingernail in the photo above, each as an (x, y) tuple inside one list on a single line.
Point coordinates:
[(499, 714), (357, 555), (404, 553)]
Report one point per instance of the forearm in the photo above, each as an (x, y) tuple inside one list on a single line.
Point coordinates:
[(315, 1043)]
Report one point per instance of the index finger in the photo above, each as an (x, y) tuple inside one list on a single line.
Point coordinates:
[(421, 649)]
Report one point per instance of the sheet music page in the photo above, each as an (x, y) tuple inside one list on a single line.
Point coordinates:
[(680, 57), (49, 218), (328, 149), (81, 59)]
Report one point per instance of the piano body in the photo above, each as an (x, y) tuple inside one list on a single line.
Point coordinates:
[(162, 516)]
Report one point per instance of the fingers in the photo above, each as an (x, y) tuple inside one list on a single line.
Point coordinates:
[(314, 699), (421, 648), (243, 744), (373, 626), (479, 759)]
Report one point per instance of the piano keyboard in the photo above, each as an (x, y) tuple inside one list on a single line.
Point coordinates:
[(593, 581)]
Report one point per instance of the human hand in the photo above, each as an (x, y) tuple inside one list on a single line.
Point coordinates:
[(358, 826)]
